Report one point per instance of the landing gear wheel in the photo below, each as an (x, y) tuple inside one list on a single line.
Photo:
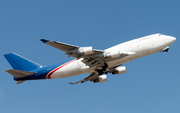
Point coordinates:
[(105, 67)]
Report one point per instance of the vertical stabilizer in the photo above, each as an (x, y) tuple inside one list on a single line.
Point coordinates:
[(21, 63)]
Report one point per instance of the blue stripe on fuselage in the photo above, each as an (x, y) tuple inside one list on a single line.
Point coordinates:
[(41, 72)]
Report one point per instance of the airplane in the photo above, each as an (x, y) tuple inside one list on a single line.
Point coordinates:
[(88, 60)]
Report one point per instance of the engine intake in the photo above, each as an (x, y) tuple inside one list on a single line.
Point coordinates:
[(101, 78), (86, 50), (114, 54), (120, 70)]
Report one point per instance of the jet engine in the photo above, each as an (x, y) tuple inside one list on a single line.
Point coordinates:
[(114, 54), (120, 70), (86, 50), (101, 78)]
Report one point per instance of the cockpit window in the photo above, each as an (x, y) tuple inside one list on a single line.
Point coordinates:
[(160, 34)]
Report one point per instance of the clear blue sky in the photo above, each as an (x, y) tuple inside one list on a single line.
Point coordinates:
[(151, 85)]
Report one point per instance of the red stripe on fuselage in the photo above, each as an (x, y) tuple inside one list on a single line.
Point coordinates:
[(49, 74)]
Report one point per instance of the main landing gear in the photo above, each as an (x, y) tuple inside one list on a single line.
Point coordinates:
[(166, 49)]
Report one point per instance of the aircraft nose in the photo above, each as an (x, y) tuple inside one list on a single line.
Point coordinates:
[(170, 40)]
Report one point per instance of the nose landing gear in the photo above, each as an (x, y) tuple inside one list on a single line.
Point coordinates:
[(166, 49)]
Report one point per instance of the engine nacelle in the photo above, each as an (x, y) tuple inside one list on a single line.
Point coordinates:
[(120, 70), (86, 50), (101, 78), (114, 54)]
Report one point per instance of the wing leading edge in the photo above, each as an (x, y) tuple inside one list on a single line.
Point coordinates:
[(91, 57)]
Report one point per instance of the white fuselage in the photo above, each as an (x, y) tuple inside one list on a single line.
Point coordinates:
[(140, 47)]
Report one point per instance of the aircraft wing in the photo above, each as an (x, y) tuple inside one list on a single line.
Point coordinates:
[(60, 45), (91, 57), (93, 76)]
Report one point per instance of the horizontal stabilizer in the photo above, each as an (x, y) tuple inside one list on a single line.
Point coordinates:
[(19, 82), (19, 73)]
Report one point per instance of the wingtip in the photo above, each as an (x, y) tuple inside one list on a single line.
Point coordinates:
[(71, 83), (44, 40)]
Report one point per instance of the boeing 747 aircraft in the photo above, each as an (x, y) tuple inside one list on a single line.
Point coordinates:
[(88, 60)]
